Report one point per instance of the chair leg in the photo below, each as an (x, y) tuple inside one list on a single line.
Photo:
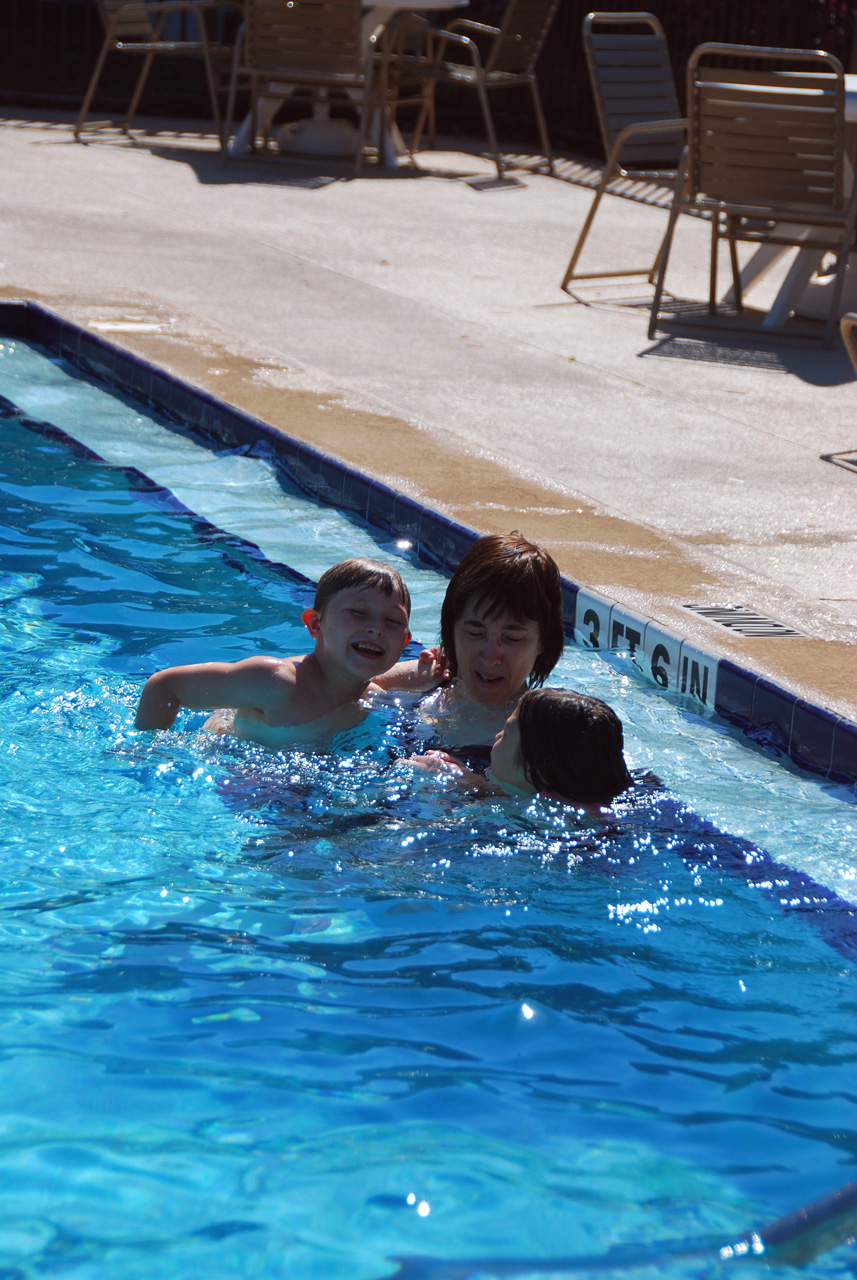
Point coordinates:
[(138, 91), (432, 117), (144, 74), (652, 276), (733, 259), (542, 123), (426, 107), (254, 114), (488, 119), (841, 268), (93, 85), (712, 271), (590, 218), (209, 75), (233, 90), (426, 114), (611, 168), (386, 114), (664, 256), (366, 115), (680, 186)]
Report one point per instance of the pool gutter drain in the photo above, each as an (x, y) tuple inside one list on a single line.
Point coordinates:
[(744, 621)]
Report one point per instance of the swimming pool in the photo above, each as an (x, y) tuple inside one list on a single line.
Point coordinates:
[(306, 1016)]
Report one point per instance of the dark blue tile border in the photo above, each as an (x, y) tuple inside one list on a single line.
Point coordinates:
[(811, 736), (773, 710), (843, 766), (811, 743), (407, 518), (734, 698)]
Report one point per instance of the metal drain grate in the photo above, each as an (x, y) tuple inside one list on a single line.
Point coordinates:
[(744, 621)]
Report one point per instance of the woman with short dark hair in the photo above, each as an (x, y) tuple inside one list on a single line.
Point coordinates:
[(501, 633)]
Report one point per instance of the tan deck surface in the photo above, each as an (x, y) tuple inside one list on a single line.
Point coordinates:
[(412, 325)]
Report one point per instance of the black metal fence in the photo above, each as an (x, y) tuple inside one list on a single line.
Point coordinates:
[(791, 24), (48, 50), (49, 47)]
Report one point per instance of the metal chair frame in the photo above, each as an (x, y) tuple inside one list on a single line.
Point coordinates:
[(138, 27), (766, 159), (515, 47), (315, 44), (635, 99), (404, 65)]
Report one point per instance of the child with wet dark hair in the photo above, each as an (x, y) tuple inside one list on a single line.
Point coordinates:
[(556, 742)]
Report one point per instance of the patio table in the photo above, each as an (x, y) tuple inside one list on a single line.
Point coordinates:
[(320, 135)]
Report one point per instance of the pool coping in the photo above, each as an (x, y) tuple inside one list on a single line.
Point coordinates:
[(810, 736)]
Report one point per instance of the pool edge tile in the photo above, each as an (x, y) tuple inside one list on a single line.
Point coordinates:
[(735, 685), (773, 709), (843, 763), (812, 736)]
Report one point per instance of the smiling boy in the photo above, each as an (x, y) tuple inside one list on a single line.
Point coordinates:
[(359, 622)]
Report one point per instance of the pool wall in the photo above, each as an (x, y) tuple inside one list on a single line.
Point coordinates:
[(815, 739)]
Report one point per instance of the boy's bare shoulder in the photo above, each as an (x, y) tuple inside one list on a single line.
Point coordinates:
[(283, 667), (267, 671)]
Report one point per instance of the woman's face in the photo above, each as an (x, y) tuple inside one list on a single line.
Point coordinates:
[(495, 655)]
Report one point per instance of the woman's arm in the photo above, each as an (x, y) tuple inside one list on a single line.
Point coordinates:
[(475, 784)]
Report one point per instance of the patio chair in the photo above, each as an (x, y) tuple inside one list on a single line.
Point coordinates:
[(766, 159), (314, 44), (512, 52), (404, 66), (641, 124), (848, 329), (138, 28)]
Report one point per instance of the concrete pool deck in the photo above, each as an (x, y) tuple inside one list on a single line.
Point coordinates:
[(412, 325)]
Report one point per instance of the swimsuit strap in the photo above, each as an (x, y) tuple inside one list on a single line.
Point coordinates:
[(475, 755)]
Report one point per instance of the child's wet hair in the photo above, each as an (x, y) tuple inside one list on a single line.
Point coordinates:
[(508, 574), (361, 572), (571, 745)]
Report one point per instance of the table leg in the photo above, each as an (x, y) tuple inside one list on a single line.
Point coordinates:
[(765, 257), (797, 278), (265, 112), (392, 144)]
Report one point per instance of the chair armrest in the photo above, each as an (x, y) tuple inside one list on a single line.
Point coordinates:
[(411, 22), (395, 33), (655, 126), (472, 26), (645, 126), (172, 6), (452, 37), (151, 9), (414, 20)]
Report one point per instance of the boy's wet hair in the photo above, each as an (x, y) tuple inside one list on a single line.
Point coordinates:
[(360, 572), (571, 745), (508, 574)]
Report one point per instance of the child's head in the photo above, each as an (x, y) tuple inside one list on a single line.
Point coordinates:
[(505, 574), (361, 572), (565, 743), (359, 620)]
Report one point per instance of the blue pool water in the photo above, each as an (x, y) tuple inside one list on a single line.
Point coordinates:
[(303, 1016)]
